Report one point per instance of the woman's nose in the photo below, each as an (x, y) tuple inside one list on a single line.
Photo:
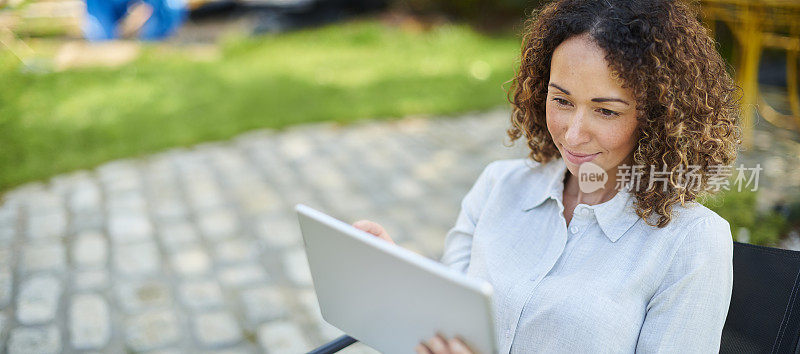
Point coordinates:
[(577, 133)]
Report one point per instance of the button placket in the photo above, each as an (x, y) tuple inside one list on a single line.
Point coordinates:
[(578, 216)]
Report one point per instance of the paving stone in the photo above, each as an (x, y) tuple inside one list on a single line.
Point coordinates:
[(324, 176), (235, 251), (86, 196), (119, 176), (89, 322), (90, 250), (39, 340), (37, 301), (263, 303), (6, 283), (38, 200), (137, 296), (218, 225), (407, 188), (128, 228), (8, 223), (4, 324), (87, 222), (216, 329), (295, 264), (23, 195), (258, 200), (6, 258), (191, 262), (92, 279), (7, 234), (243, 275), (138, 259), (169, 209), (279, 232), (177, 236), (295, 146), (62, 184), (152, 330), (166, 351), (8, 212), (48, 225), (201, 295), (202, 191), (44, 257), (282, 337), (128, 202)]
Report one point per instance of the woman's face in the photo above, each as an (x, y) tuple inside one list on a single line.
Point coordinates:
[(590, 116)]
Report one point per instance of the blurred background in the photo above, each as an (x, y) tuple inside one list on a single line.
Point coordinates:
[(151, 153)]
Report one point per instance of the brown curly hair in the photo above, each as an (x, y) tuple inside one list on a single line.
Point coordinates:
[(687, 102)]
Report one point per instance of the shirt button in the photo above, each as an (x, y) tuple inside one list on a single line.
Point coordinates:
[(574, 229)]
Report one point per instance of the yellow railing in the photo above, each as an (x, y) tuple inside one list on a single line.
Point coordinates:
[(757, 25)]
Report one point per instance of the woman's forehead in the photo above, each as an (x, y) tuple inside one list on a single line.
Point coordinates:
[(579, 65)]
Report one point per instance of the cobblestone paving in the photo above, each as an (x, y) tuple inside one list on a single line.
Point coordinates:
[(198, 250)]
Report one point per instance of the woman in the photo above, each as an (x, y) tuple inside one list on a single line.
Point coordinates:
[(608, 84)]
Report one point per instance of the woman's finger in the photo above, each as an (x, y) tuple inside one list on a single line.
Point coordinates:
[(373, 228), (369, 226), (438, 345), (458, 347), (422, 349)]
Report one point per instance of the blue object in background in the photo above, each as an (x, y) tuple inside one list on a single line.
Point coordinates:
[(103, 16)]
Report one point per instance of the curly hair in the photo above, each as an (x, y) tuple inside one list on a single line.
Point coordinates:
[(687, 102)]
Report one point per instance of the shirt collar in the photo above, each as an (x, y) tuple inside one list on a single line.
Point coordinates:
[(614, 216)]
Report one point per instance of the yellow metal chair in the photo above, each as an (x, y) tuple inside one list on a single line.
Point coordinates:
[(758, 25)]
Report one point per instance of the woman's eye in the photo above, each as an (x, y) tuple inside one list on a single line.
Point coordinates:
[(561, 101), (608, 112)]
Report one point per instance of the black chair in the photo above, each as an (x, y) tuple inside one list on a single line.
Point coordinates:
[(764, 315)]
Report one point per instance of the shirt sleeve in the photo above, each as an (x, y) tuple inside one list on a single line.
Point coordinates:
[(458, 242), (688, 311)]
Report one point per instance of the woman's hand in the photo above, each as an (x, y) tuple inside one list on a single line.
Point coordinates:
[(441, 345), (373, 228)]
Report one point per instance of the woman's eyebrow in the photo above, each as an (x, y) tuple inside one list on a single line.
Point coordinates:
[(598, 99), (605, 99), (559, 87)]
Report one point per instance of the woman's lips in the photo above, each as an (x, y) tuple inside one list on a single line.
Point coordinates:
[(577, 158)]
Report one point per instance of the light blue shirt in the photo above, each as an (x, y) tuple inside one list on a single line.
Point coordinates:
[(605, 283)]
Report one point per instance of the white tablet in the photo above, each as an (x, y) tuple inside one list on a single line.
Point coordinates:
[(388, 297)]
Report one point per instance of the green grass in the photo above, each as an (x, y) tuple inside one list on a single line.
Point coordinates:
[(57, 122)]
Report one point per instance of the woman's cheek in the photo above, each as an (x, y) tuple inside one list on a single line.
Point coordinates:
[(555, 123)]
